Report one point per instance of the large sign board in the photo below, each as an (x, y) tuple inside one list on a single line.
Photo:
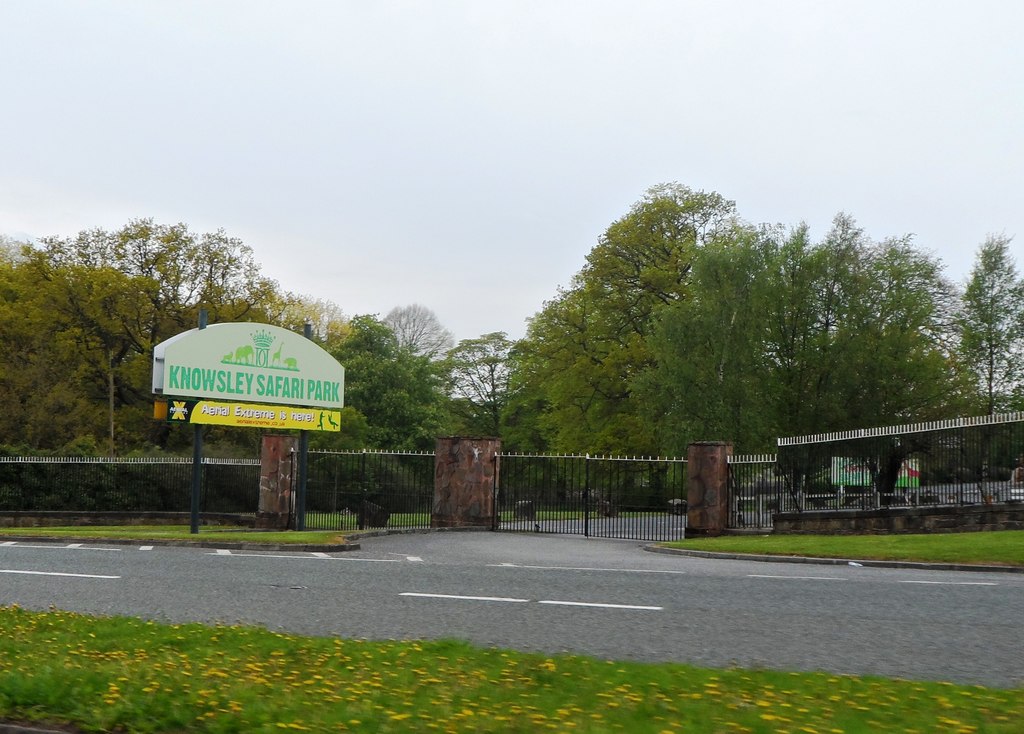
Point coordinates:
[(249, 415), (257, 363)]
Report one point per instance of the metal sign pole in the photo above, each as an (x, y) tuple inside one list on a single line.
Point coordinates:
[(197, 457), (300, 511)]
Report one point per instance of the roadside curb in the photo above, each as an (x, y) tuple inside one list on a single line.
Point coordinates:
[(250, 545), (835, 561), (226, 545)]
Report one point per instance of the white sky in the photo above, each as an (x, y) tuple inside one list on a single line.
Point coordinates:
[(467, 155)]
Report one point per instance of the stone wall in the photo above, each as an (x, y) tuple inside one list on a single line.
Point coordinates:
[(945, 519)]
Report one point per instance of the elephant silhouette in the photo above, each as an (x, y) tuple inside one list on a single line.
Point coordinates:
[(291, 363), (244, 354)]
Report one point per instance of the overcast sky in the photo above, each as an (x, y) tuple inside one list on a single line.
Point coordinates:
[(467, 155)]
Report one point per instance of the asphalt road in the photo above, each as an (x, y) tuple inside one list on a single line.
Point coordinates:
[(605, 598)]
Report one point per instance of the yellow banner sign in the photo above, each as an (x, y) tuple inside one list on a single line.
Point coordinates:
[(250, 415)]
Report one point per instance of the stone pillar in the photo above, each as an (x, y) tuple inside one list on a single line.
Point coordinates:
[(278, 467), (707, 493), (465, 482)]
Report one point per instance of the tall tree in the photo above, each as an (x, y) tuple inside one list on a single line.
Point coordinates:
[(991, 326), (584, 348), (478, 371), (101, 301), (418, 329), (782, 336), (399, 393)]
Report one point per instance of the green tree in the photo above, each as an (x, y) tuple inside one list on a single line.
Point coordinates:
[(399, 393), (91, 307), (478, 373), (781, 336), (585, 347), (991, 327)]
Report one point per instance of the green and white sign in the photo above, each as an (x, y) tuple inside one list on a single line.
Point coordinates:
[(248, 362)]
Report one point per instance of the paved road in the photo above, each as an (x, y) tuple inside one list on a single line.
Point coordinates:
[(607, 598)]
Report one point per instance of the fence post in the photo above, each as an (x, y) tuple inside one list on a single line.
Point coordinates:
[(465, 475), (707, 496), (277, 464), (586, 497)]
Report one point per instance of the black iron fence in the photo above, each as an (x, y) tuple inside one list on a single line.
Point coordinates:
[(351, 490), (93, 484), (636, 498), (967, 461)]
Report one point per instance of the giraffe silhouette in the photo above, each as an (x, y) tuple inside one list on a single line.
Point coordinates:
[(277, 356)]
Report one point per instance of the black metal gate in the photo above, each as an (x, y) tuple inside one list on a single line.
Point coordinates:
[(605, 497), (359, 490)]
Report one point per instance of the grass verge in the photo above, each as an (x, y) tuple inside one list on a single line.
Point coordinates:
[(1005, 547), (182, 532), (128, 675)]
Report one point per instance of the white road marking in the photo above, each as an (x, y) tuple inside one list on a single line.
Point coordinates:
[(54, 573), (50, 546), (802, 578), (315, 556), (465, 598), (584, 568), (602, 606), (146, 547), (414, 559), (950, 583)]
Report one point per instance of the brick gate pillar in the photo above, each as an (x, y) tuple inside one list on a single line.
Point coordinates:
[(465, 482), (278, 467), (707, 494)]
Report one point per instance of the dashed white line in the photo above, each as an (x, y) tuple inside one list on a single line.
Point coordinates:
[(802, 578), (602, 606), (414, 559), (55, 573), (313, 556), (145, 547), (585, 568), (465, 598), (949, 583), (550, 602)]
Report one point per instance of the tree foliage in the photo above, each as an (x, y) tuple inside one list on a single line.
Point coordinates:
[(585, 347), (991, 327), (399, 393), (478, 373)]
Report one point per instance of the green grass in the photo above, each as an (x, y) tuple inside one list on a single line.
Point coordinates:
[(128, 675), (351, 521), (1005, 547), (182, 532)]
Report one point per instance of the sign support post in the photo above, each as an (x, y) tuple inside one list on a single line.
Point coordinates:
[(197, 458), (300, 497)]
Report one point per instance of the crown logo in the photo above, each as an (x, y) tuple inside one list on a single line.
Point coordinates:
[(262, 339)]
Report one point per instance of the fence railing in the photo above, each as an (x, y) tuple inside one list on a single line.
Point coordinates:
[(102, 484), (969, 461), (613, 497), (349, 490)]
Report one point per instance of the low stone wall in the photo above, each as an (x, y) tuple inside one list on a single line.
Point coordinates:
[(61, 519), (945, 519)]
